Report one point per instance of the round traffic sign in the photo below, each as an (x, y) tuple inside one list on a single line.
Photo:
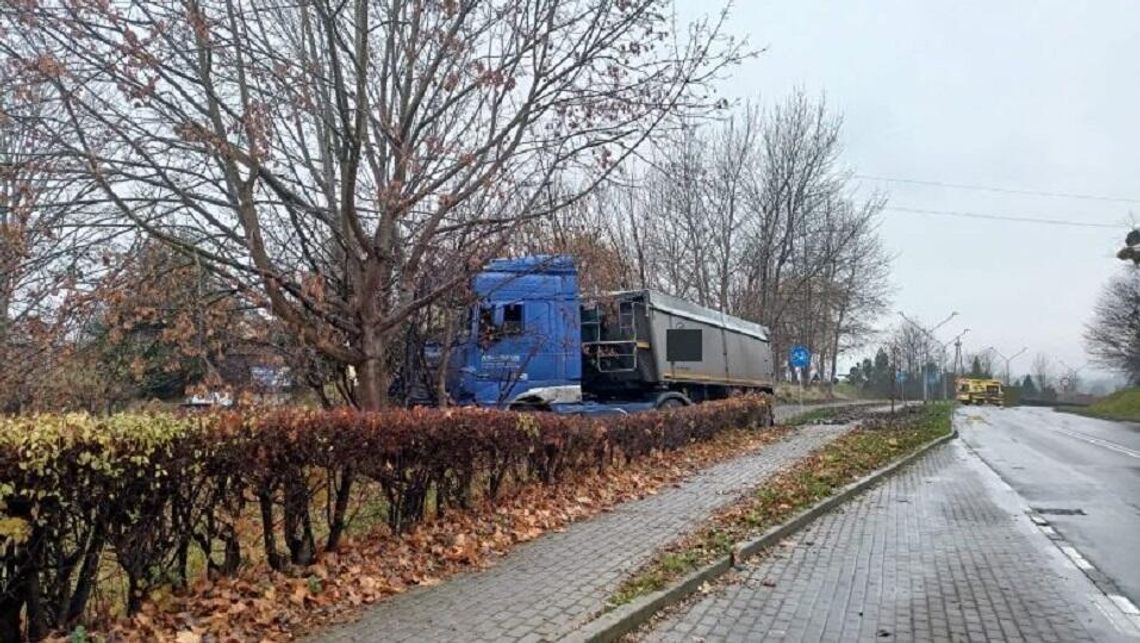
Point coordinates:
[(799, 356)]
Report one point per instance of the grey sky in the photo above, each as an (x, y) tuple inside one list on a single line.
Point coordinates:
[(1029, 95)]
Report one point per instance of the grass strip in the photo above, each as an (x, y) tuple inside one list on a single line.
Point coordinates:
[(874, 444), (1122, 406), (817, 416)]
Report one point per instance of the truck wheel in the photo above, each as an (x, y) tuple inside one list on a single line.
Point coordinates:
[(671, 401), (530, 407)]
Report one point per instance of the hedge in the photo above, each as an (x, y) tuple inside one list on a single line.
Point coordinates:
[(145, 491)]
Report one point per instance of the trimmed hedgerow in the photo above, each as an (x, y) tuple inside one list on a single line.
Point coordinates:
[(147, 491)]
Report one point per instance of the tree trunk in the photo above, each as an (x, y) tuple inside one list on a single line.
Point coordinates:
[(840, 318), (442, 398), (297, 523), (343, 493), (265, 502), (85, 583), (372, 374), (18, 574)]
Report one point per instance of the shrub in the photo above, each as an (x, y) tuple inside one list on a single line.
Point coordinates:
[(78, 492)]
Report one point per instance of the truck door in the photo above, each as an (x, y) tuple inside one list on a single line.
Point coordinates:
[(525, 344)]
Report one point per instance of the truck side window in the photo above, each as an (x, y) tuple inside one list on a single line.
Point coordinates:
[(512, 319), (487, 330)]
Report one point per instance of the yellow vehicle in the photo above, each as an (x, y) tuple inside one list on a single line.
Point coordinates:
[(980, 391)]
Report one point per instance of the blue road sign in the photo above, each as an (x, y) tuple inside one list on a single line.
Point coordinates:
[(900, 376), (799, 356)]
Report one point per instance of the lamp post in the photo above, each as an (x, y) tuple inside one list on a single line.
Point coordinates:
[(1008, 359), (926, 349), (957, 341)]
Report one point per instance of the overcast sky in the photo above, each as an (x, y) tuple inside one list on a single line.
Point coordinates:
[(1038, 96)]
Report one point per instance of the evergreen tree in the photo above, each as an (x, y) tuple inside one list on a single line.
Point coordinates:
[(883, 380), (1028, 389), (976, 368)]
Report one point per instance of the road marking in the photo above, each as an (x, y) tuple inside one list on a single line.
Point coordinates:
[(1077, 558), (1124, 604), (1116, 612), (1127, 624), (1100, 443)]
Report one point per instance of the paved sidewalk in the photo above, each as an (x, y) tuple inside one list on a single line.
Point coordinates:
[(941, 551), (550, 586), (785, 412)]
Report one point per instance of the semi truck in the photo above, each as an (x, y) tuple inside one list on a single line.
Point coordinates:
[(534, 342)]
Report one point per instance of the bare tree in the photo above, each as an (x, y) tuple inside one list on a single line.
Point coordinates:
[(800, 148), (1042, 370), (318, 153), (752, 215), (860, 273), (1113, 335), (52, 237)]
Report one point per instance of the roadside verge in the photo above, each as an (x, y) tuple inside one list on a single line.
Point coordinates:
[(625, 618)]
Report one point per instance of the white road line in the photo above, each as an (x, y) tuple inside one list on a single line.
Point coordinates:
[(1100, 443), (1049, 531), (1127, 624), (1077, 558), (1124, 604)]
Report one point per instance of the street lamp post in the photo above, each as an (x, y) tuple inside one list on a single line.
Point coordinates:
[(956, 341), (926, 349), (1008, 360), (1011, 358)]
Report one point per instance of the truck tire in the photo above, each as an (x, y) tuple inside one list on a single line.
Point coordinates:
[(671, 401)]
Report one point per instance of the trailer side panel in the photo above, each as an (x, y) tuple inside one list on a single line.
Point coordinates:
[(697, 345)]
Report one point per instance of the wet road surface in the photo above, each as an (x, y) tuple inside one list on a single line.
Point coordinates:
[(943, 550), (1081, 474)]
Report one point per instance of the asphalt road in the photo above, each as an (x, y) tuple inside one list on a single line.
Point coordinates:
[(1059, 461)]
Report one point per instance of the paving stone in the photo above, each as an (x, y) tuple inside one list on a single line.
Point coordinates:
[(927, 555), (560, 581)]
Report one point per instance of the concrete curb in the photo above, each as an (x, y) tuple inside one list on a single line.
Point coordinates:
[(612, 625)]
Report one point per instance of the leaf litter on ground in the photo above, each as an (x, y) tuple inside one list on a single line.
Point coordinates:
[(260, 604)]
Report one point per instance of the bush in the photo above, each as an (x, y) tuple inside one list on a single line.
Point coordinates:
[(144, 490)]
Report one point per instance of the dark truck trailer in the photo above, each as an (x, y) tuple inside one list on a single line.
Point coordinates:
[(533, 342)]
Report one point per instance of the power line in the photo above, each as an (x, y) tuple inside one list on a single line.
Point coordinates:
[(1002, 217), (986, 188)]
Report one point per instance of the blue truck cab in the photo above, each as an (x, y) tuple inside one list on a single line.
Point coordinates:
[(523, 334)]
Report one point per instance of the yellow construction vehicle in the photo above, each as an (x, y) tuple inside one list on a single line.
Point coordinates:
[(980, 391)]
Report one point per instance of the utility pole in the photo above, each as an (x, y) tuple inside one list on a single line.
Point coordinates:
[(896, 384), (926, 349)]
